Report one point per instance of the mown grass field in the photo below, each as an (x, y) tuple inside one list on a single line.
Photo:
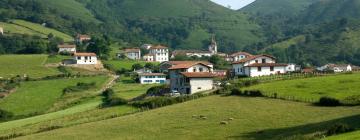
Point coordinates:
[(31, 65), (56, 59), (127, 90), (338, 86), (253, 118), (347, 136), (126, 64), (36, 97)]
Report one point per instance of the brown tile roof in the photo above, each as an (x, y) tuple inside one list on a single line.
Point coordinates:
[(184, 52), (186, 65), (66, 46), (198, 74), (132, 50), (182, 62), (266, 65), (152, 74), (84, 54), (82, 36), (241, 53), (252, 58), (158, 47)]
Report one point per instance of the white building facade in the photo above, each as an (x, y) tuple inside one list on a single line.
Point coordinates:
[(1, 30), (67, 49), (239, 56), (85, 58), (133, 54), (259, 65), (152, 78), (190, 78), (149, 58), (160, 53)]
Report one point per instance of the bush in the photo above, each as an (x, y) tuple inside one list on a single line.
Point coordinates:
[(251, 93), (328, 101), (352, 100), (5, 115), (338, 129), (111, 100), (79, 87)]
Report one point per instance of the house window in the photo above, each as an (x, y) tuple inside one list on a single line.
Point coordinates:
[(194, 70), (271, 68), (79, 58), (201, 69), (256, 61), (199, 88), (259, 68), (263, 60)]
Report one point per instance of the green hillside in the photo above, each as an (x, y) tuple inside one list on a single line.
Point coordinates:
[(277, 7), (348, 136), (329, 10), (252, 118)]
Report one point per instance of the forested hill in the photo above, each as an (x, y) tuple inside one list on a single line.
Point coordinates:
[(186, 24)]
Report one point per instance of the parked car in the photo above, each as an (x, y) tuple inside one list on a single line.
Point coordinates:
[(175, 93)]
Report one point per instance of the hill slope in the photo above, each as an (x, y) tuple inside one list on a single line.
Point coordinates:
[(254, 118)]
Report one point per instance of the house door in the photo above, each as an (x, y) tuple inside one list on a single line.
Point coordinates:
[(188, 91)]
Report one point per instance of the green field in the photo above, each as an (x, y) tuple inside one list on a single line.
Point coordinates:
[(339, 86), (347, 136), (36, 97), (126, 64), (31, 65), (56, 59), (253, 118), (128, 90)]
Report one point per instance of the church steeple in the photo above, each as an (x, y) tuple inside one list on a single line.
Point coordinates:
[(213, 46)]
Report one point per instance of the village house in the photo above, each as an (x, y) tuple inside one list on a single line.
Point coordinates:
[(159, 53), (335, 68), (85, 58), (1, 30), (164, 66), (239, 56), (148, 58), (71, 49), (258, 65), (133, 54), (191, 77), (146, 46), (82, 38), (152, 78)]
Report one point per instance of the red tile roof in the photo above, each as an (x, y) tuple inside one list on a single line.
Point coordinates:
[(182, 62), (84, 54), (186, 65), (198, 74), (132, 50), (252, 58), (152, 74), (266, 65), (66, 46), (159, 47), (241, 53)]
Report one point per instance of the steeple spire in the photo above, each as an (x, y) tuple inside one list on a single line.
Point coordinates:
[(213, 46)]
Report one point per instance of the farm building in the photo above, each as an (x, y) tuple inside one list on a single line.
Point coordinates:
[(85, 58), (67, 49), (259, 65), (152, 78), (148, 57), (82, 38), (191, 77), (239, 56), (133, 54), (335, 68)]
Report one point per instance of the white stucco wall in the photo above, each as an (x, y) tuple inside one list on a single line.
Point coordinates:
[(267, 59), (82, 61), (238, 69), (198, 67), (161, 55), (152, 79), (265, 71), (133, 55), (239, 57), (67, 50), (201, 84), (148, 58)]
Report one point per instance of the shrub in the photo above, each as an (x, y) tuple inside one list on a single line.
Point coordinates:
[(236, 92), (5, 115), (338, 129), (251, 93), (352, 100), (328, 101), (111, 100)]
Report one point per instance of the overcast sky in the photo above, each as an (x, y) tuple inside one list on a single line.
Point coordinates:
[(235, 4)]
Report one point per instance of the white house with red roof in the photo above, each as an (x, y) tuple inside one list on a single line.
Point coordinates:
[(80, 38), (239, 56), (85, 58), (191, 77), (132, 53), (152, 78), (258, 65)]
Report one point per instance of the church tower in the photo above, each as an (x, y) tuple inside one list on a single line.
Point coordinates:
[(213, 48)]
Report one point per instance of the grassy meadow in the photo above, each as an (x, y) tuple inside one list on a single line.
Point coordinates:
[(126, 64), (56, 59), (31, 65), (127, 89), (251, 118), (347, 136), (338, 86), (37, 97)]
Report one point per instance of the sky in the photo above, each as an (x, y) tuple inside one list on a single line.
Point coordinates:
[(235, 4)]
